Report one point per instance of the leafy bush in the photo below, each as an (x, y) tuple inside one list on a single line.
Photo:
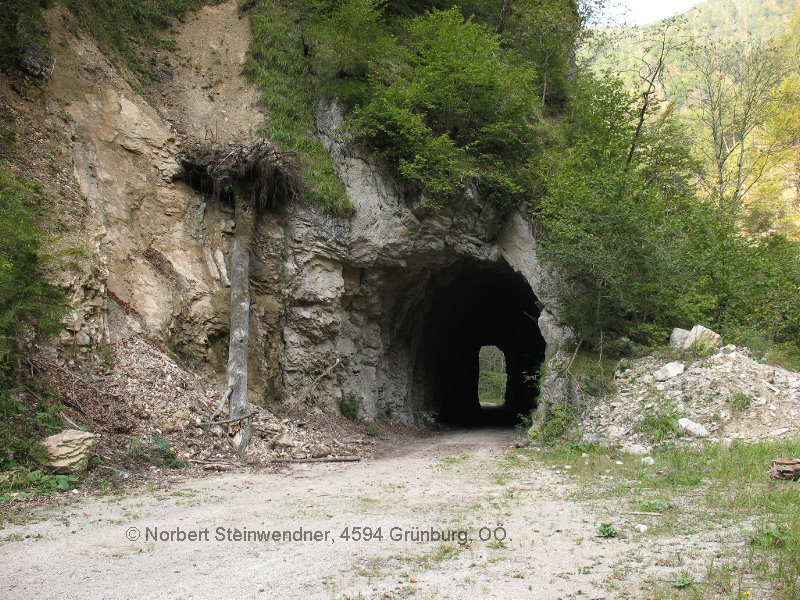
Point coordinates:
[(350, 405), (640, 250), (457, 109), (444, 100), (559, 423), (30, 306), (36, 480)]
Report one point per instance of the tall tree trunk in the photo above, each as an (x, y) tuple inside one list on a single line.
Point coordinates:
[(501, 21), (240, 320)]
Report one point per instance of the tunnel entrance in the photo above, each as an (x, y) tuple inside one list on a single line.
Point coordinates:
[(471, 305)]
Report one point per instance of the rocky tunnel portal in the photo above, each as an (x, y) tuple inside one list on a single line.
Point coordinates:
[(468, 305)]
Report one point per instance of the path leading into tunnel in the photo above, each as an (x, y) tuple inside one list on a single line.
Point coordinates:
[(391, 527)]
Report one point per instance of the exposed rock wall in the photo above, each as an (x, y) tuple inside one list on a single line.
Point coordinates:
[(366, 291)]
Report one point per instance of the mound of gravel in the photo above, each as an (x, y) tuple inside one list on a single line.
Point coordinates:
[(729, 394)]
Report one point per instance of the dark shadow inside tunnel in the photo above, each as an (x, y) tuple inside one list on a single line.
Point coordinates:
[(471, 305)]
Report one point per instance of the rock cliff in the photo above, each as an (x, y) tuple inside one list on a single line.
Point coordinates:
[(398, 297)]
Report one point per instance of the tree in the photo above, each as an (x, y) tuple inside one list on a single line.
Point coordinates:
[(651, 70), (254, 179), (734, 100)]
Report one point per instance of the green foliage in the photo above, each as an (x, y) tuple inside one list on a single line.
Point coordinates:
[(30, 306), (20, 431), (458, 109), (280, 64), (429, 87), (36, 481), (132, 30), (642, 253), (617, 236), (350, 405), (559, 424), (739, 403), (660, 423), (607, 530)]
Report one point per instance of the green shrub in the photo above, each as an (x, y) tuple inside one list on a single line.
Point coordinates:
[(30, 306), (350, 405), (739, 403), (660, 423), (457, 110), (559, 424)]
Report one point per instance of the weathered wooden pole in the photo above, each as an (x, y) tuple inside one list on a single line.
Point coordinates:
[(240, 319)]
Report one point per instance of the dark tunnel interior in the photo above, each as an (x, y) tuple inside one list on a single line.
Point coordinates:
[(474, 304)]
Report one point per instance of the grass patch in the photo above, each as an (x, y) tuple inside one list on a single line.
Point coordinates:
[(660, 422), (280, 66), (714, 486), (155, 450)]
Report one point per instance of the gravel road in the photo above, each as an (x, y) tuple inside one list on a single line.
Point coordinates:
[(427, 505)]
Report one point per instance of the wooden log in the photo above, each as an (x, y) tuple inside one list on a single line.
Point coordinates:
[(785, 468)]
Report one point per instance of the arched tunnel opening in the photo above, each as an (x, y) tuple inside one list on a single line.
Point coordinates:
[(471, 305)]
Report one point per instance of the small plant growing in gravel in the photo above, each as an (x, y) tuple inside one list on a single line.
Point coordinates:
[(350, 405), (607, 530), (660, 423), (683, 581), (739, 403)]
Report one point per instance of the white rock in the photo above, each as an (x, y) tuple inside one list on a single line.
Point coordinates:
[(781, 431), (637, 449), (678, 337), (648, 460), (669, 370), (692, 428), (615, 432), (69, 451), (703, 337), (640, 527), (699, 335), (283, 440)]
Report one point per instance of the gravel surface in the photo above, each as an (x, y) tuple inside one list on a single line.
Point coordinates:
[(454, 481)]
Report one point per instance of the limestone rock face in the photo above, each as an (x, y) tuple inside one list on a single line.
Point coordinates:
[(338, 306), (69, 451)]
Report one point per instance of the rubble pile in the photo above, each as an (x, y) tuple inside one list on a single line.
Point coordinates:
[(718, 394)]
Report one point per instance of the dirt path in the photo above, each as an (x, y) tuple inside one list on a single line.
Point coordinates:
[(461, 480)]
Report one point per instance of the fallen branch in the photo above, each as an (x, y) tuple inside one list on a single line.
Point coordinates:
[(226, 421), (69, 422), (649, 514), (785, 468), (574, 354), (327, 459), (316, 381)]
